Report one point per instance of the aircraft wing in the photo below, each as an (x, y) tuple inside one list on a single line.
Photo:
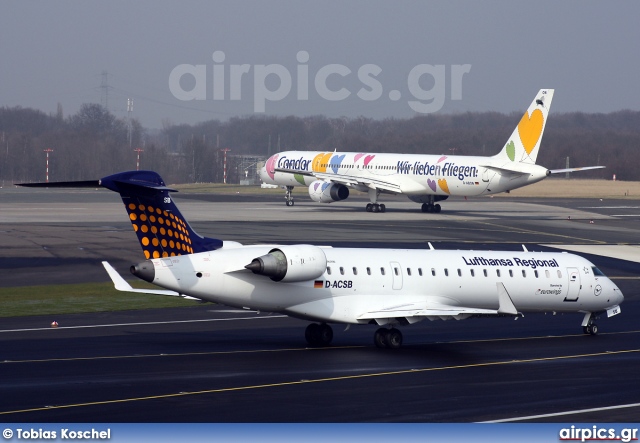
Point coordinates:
[(437, 309), (122, 285), (415, 312), (348, 180)]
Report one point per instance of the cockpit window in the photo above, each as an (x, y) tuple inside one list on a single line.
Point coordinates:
[(597, 272)]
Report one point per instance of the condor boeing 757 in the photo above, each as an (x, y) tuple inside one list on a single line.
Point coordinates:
[(425, 179), (384, 287)]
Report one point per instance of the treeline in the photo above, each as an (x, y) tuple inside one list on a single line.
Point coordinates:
[(94, 143)]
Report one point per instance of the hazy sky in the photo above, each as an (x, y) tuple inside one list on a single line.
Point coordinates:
[(336, 58)]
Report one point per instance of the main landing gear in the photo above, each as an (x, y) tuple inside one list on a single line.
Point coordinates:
[(374, 206), (430, 207), (588, 324), (288, 197), (388, 338), (318, 335)]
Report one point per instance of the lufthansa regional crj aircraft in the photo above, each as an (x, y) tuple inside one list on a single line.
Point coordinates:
[(425, 179), (384, 287)]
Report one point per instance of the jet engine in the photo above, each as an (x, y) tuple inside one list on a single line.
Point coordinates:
[(324, 192), (291, 263)]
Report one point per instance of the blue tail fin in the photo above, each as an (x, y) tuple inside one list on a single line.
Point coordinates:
[(159, 225)]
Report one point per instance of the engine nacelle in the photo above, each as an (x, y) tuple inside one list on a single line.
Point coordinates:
[(291, 263), (323, 192)]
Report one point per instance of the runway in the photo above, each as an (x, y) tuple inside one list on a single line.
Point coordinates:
[(214, 364)]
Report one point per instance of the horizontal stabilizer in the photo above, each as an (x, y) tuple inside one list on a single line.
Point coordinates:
[(77, 184), (586, 168), (122, 285)]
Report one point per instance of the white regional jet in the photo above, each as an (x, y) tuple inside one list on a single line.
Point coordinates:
[(384, 287), (425, 179)]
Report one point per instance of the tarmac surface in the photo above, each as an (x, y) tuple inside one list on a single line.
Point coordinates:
[(214, 364)]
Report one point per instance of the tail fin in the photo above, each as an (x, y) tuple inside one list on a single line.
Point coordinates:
[(524, 143), (159, 225)]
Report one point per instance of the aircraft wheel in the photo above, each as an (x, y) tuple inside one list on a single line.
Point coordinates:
[(312, 334), (369, 207), (380, 338), (289, 202), (325, 335), (437, 208), (383, 208), (425, 207), (586, 329), (594, 329), (376, 207), (394, 339)]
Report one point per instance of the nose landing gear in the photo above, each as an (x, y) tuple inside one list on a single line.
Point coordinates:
[(588, 324), (288, 197)]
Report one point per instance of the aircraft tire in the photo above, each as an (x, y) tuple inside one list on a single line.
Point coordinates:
[(594, 329), (586, 329), (383, 208), (424, 207), (312, 334), (375, 207), (325, 335), (437, 208), (380, 338), (394, 339), (369, 207)]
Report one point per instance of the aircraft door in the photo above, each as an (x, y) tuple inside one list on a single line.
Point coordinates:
[(396, 275), (574, 284)]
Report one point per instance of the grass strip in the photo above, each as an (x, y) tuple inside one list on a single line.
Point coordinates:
[(78, 298)]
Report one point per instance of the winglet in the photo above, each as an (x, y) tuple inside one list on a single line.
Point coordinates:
[(505, 304)]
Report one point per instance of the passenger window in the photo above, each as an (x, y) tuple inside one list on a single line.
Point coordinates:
[(341, 270), (535, 273), (524, 273), (382, 271), (355, 271), (409, 272), (328, 270), (498, 272), (395, 271), (433, 271), (420, 272), (368, 270), (547, 273), (484, 271), (446, 272), (559, 274), (510, 272), (473, 273), (459, 273)]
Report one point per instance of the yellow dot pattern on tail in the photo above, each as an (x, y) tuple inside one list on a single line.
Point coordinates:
[(161, 233)]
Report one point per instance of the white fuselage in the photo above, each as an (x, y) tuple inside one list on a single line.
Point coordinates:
[(411, 174), (356, 282)]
